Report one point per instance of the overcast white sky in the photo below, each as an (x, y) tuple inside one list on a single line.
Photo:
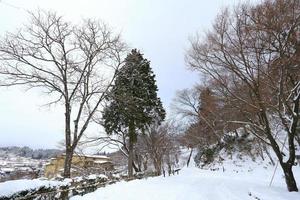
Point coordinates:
[(160, 28)]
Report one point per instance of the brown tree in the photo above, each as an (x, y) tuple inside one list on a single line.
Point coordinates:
[(253, 54), (76, 64), (204, 114)]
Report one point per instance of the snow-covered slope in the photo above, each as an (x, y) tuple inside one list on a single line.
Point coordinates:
[(204, 184)]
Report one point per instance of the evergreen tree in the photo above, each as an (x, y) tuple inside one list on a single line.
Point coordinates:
[(133, 101)]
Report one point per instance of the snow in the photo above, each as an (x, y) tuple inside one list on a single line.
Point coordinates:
[(102, 176), (199, 184), (100, 161), (10, 187), (95, 176), (235, 178), (7, 169), (91, 156)]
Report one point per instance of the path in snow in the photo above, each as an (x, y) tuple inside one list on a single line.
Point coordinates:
[(196, 184)]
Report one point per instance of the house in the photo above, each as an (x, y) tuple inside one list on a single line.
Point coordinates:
[(81, 165)]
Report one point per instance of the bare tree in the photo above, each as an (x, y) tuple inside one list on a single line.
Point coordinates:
[(186, 103), (200, 106), (76, 64), (161, 145), (253, 54)]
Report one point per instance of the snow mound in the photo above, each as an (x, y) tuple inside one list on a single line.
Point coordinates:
[(9, 188)]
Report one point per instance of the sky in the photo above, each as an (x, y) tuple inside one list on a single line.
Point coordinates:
[(159, 28)]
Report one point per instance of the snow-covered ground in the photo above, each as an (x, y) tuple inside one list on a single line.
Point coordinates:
[(199, 184), (235, 178), (11, 187)]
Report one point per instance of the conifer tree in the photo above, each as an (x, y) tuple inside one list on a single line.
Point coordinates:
[(133, 101)]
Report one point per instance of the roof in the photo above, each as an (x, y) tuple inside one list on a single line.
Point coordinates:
[(100, 161), (7, 169), (90, 156)]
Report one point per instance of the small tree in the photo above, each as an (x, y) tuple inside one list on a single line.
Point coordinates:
[(133, 102), (162, 146), (74, 64)]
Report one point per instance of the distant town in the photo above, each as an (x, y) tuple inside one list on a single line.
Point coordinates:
[(23, 162)]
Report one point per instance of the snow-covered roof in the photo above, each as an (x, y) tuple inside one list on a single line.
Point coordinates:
[(7, 169), (100, 161), (86, 155), (92, 156)]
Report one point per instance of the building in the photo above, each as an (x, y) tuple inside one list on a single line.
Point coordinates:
[(81, 165)]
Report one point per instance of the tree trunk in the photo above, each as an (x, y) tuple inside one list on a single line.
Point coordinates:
[(68, 163), (145, 164), (157, 169), (136, 169), (297, 137), (69, 149), (169, 169), (169, 165), (139, 162), (130, 159), (157, 165), (130, 149), (268, 154), (287, 167), (289, 177), (189, 159)]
